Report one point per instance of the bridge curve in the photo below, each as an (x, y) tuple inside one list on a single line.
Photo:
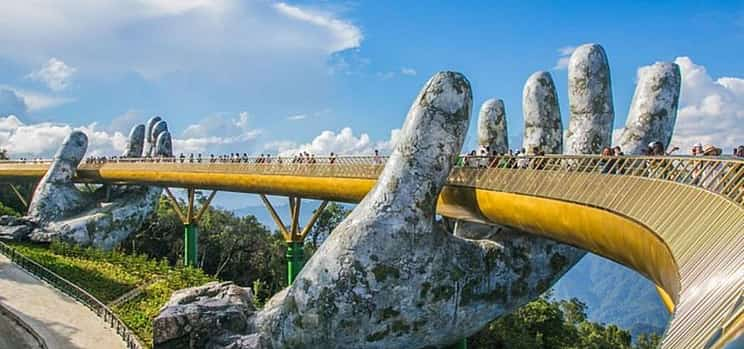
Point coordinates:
[(678, 221)]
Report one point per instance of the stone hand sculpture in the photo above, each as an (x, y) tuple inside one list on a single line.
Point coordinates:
[(652, 117), (102, 218), (390, 276)]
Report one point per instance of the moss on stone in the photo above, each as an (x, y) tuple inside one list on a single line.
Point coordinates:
[(442, 292), (382, 272), (374, 337), (388, 313)]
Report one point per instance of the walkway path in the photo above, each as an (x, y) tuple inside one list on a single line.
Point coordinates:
[(14, 336), (57, 318)]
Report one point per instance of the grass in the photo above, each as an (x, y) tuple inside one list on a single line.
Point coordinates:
[(107, 275)]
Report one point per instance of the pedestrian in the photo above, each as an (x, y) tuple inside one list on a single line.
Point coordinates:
[(697, 150), (377, 159)]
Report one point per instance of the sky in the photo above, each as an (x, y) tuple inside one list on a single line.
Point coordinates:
[(336, 76)]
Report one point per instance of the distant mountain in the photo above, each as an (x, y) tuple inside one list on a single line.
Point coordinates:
[(614, 294), (263, 215)]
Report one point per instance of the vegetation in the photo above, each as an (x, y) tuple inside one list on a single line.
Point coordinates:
[(635, 306), (331, 216), (239, 249), (545, 323), (108, 275)]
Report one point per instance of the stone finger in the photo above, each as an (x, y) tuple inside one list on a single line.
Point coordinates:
[(653, 111), (136, 143), (492, 131), (543, 128), (590, 101), (56, 195), (149, 140), (164, 145)]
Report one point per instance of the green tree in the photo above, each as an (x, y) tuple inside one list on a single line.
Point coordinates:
[(648, 341), (11, 205), (231, 248), (331, 216), (550, 324)]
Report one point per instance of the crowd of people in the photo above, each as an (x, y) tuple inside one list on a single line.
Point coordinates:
[(484, 157)]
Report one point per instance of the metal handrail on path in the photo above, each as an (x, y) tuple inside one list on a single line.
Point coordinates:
[(75, 292)]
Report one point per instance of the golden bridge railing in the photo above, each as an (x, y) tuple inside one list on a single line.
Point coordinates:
[(722, 176)]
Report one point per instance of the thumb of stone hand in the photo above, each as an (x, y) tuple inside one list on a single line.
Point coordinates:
[(388, 277)]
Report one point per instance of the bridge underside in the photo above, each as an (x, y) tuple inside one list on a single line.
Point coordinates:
[(685, 239)]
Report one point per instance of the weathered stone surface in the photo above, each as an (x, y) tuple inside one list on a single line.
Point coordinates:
[(653, 111), (56, 196), (149, 139), (213, 315), (492, 132), (136, 142), (590, 101), (15, 229), (59, 211), (164, 144), (542, 116)]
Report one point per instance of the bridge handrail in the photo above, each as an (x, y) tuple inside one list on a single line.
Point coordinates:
[(720, 175), (75, 292)]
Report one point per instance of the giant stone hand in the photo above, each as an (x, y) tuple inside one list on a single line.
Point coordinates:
[(102, 218), (390, 276), (652, 116)]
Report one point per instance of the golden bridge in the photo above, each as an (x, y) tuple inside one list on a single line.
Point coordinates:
[(679, 221)]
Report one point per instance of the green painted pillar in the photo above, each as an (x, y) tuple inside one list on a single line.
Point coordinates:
[(189, 244), (295, 260)]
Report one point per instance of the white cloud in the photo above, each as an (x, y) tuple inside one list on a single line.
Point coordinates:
[(217, 133), (158, 37), (565, 55), (344, 142), (386, 75), (408, 71), (43, 139), (55, 74), (297, 117), (711, 110), (344, 35), (36, 101)]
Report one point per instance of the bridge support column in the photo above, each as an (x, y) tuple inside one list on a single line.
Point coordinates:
[(190, 237), (293, 235), (20, 196), (295, 259), (190, 224)]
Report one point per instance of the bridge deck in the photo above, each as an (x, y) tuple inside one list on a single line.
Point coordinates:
[(677, 221)]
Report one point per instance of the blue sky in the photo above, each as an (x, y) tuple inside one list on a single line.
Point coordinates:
[(263, 76)]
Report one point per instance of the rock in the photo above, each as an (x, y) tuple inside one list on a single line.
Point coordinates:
[(653, 111), (213, 315), (542, 116), (492, 131), (590, 101), (16, 232)]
